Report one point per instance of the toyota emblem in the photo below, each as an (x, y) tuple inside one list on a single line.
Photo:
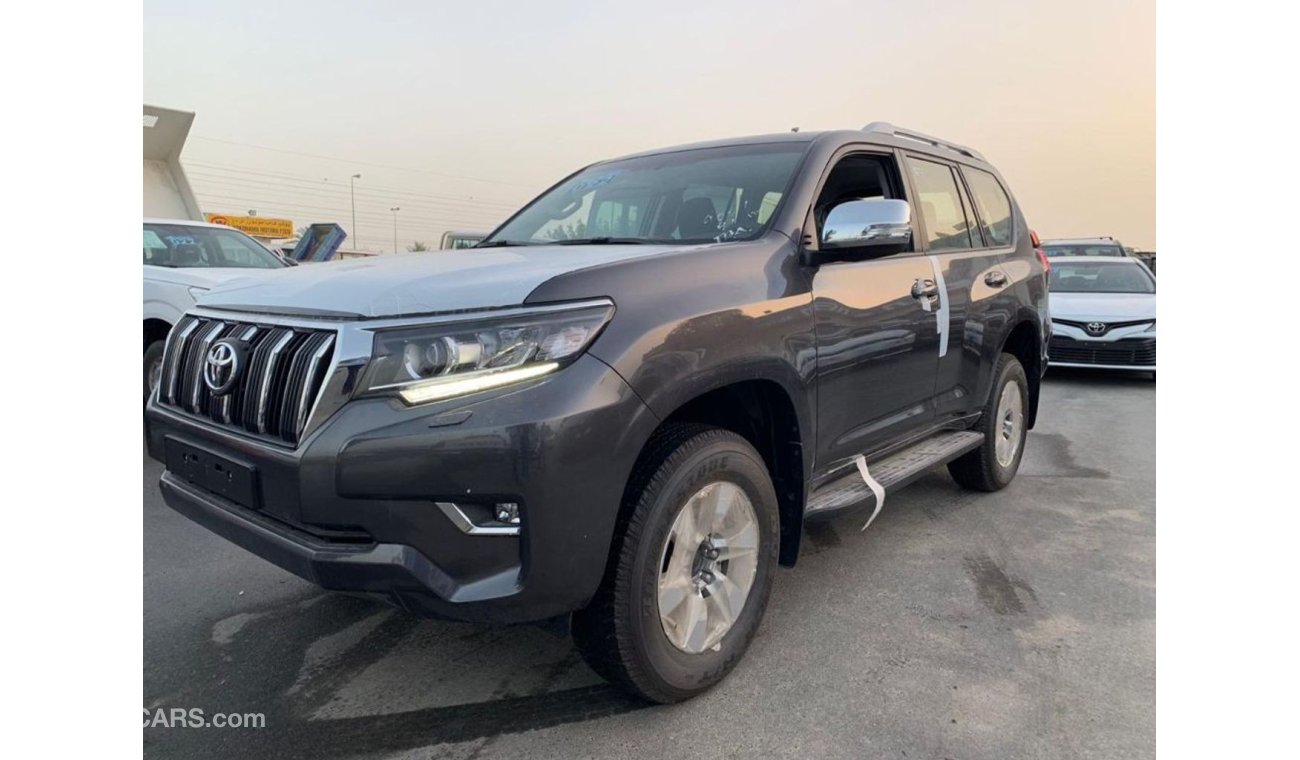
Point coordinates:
[(1096, 328), (223, 365)]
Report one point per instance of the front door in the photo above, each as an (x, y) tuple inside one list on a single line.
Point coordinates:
[(877, 353), (877, 341)]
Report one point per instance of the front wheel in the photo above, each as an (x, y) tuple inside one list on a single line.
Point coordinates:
[(1004, 423), (691, 570)]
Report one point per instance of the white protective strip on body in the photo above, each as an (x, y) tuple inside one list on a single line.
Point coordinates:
[(941, 316), (873, 484)]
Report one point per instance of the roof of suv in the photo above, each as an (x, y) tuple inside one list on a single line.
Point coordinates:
[(876, 132)]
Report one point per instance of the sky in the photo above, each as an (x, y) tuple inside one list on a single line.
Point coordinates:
[(457, 113)]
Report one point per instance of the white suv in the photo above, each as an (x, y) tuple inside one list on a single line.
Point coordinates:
[(183, 258)]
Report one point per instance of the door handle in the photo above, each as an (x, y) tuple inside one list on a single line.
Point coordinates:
[(995, 279), (923, 288)]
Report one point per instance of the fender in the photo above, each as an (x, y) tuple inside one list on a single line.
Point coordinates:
[(691, 322)]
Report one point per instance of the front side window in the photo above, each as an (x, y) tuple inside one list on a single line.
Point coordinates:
[(856, 177), (689, 196), (1099, 277), (946, 223), (183, 247), (993, 205)]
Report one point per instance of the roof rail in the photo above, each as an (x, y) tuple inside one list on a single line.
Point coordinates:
[(884, 127)]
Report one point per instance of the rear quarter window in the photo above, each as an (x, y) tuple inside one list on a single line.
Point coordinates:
[(993, 205)]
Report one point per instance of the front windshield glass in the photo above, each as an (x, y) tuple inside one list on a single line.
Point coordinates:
[(182, 246), (1099, 277), (1053, 250), (689, 196)]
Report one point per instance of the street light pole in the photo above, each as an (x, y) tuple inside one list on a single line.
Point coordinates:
[(395, 209), (352, 188)]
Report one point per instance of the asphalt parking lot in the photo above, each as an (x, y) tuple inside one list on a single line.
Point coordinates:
[(1012, 625)]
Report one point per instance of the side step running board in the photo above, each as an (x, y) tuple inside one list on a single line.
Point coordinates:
[(850, 492)]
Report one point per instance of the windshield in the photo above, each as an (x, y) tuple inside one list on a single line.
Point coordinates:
[(182, 246), (689, 196), (1100, 277), (1053, 250)]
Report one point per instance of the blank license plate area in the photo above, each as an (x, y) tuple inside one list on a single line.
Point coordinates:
[(233, 480)]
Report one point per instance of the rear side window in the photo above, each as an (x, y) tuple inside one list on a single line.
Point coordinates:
[(946, 225), (993, 205)]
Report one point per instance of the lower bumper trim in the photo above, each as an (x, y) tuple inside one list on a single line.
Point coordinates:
[(397, 571), (1130, 367)]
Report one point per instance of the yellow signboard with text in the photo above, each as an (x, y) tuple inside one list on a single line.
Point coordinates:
[(257, 226)]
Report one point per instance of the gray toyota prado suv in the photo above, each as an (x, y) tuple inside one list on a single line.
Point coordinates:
[(619, 410)]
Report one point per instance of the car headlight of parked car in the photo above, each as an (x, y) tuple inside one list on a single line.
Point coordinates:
[(441, 361), (196, 291)]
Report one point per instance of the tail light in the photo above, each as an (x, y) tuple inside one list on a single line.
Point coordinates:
[(1038, 249)]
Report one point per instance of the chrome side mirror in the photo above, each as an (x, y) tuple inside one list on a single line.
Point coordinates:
[(873, 227)]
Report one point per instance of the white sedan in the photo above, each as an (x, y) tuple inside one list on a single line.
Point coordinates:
[(1103, 313)]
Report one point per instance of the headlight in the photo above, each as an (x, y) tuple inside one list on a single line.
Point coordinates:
[(196, 291), (1151, 327), (441, 361)]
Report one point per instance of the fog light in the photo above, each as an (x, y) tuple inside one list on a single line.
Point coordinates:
[(483, 519), (508, 512)]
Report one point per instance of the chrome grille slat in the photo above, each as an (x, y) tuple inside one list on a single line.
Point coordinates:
[(197, 387), (255, 375), (175, 350), (191, 359), (314, 368), (275, 393), (264, 392)]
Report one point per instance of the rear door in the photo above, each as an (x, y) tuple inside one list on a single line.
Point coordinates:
[(965, 256)]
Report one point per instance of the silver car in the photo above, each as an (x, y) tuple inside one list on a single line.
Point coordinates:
[(1103, 313)]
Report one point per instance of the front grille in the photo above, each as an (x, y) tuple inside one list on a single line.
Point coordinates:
[(285, 369), (1108, 325), (1130, 352)]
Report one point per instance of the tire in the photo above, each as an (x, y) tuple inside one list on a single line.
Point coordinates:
[(620, 634), (981, 469), (153, 356)]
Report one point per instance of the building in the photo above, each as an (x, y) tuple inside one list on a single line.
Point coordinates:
[(167, 192)]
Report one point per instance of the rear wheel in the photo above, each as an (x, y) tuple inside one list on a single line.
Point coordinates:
[(1004, 423), (153, 356), (691, 570)]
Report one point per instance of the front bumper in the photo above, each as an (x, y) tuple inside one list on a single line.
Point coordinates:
[(354, 507), (1122, 349)]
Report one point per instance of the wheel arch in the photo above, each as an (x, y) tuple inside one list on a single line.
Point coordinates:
[(1025, 342), (155, 329), (761, 410)]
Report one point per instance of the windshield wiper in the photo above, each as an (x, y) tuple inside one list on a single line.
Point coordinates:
[(502, 244), (603, 241)]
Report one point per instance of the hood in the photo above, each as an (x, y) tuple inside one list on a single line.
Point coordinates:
[(1103, 307), (201, 277), (419, 283)]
